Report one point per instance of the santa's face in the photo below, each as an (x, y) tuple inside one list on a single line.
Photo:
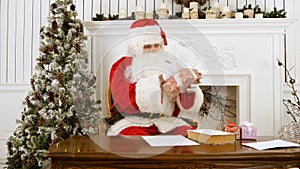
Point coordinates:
[(152, 47), (151, 62)]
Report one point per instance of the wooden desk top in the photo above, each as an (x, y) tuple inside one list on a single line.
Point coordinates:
[(132, 151)]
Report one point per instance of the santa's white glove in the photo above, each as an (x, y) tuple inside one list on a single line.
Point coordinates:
[(185, 77), (170, 89)]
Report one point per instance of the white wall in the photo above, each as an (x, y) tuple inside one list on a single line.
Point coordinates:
[(20, 21)]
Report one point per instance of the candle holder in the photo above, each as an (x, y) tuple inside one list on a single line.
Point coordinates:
[(122, 13)]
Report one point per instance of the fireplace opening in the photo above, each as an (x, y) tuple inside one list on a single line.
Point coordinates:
[(219, 107)]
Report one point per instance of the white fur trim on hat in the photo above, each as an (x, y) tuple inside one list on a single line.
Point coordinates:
[(153, 29), (140, 36), (136, 43)]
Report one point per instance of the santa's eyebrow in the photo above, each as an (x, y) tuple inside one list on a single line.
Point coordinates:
[(168, 61)]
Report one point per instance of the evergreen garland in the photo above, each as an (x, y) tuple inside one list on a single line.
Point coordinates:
[(61, 101)]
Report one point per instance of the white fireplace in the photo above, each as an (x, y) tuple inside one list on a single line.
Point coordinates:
[(242, 53)]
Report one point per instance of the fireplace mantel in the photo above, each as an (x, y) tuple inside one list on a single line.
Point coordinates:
[(267, 25), (247, 50)]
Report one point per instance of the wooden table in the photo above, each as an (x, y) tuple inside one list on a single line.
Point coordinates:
[(133, 152)]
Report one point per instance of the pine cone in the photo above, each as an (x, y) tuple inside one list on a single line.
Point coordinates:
[(73, 7), (10, 147), (28, 101), (37, 96), (36, 111), (81, 28), (54, 25), (22, 115), (48, 80), (41, 121), (63, 98), (53, 6), (31, 161), (55, 48), (60, 131), (51, 96), (47, 34), (40, 64), (32, 84), (60, 77), (47, 49), (77, 47)]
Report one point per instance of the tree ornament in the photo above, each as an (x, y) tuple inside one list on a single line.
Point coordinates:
[(60, 77), (28, 101), (63, 98), (47, 49), (41, 121), (55, 49), (77, 47), (51, 96), (37, 96), (72, 7), (30, 162), (9, 147), (81, 27), (54, 25), (32, 84), (36, 111)]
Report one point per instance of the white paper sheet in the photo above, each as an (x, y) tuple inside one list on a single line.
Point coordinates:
[(168, 140), (263, 145)]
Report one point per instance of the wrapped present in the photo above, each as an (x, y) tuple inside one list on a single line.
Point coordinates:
[(248, 130), (232, 128)]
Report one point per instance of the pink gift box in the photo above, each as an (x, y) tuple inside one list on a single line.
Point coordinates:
[(248, 132)]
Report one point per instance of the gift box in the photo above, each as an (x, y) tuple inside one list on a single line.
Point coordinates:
[(232, 128), (248, 131)]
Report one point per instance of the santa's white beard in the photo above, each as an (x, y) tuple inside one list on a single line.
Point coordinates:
[(153, 63)]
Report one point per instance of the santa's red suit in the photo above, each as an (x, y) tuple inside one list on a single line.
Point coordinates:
[(136, 89)]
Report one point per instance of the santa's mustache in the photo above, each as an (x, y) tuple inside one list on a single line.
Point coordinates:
[(153, 63)]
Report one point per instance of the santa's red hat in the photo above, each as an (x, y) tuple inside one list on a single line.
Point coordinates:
[(148, 26), (145, 31)]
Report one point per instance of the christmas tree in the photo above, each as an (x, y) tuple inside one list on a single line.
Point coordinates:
[(61, 100)]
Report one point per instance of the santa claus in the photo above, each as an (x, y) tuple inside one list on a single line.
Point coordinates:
[(151, 87)]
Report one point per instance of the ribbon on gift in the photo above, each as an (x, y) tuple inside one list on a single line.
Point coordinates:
[(249, 127)]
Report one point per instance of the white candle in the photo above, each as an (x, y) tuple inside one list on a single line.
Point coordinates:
[(149, 15), (186, 9), (226, 9), (239, 15), (163, 6), (194, 6), (259, 15), (216, 5), (122, 13), (139, 8)]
